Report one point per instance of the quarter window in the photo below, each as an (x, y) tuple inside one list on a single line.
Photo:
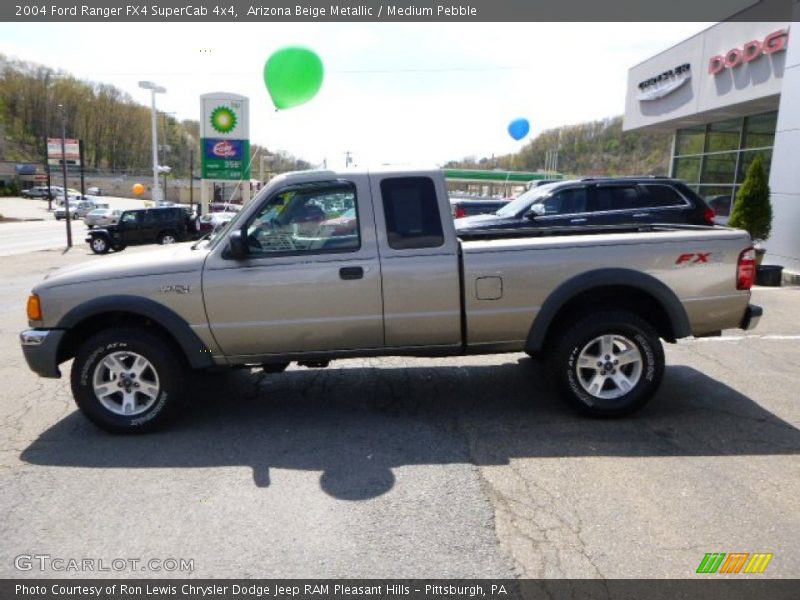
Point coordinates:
[(412, 213), (617, 198), (662, 195)]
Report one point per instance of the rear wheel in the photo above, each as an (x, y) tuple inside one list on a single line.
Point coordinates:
[(128, 380), (99, 245), (608, 364)]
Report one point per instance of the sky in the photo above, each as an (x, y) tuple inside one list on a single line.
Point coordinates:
[(393, 93)]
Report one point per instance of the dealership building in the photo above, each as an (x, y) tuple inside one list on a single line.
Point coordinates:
[(729, 94)]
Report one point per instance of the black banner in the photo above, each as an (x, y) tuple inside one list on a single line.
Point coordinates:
[(704, 587), (394, 11)]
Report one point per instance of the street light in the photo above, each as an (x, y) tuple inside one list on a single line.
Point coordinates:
[(154, 89)]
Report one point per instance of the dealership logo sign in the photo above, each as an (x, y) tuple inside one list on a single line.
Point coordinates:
[(774, 42), (665, 83)]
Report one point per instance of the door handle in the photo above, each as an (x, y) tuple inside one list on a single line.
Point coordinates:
[(640, 215), (582, 220), (351, 273)]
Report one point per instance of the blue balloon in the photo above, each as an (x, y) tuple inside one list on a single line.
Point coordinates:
[(519, 128)]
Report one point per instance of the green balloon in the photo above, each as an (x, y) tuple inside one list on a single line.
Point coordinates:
[(293, 76)]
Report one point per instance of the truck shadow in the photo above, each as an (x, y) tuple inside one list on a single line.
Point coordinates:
[(356, 424)]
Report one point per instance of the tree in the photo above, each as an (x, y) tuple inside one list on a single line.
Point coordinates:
[(752, 210)]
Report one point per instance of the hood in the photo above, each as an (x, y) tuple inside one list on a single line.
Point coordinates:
[(482, 221), (178, 258)]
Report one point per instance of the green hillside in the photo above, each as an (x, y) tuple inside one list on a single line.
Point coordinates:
[(114, 128), (587, 149)]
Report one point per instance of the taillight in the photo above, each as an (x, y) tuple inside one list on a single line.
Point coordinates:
[(460, 212), (746, 270), (709, 215)]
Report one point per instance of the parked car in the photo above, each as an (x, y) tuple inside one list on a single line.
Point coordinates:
[(212, 221), (612, 201), (87, 206), (345, 223), (468, 207), (94, 191), (38, 191), (163, 225), (61, 213), (102, 217), (224, 207), (596, 303), (722, 208)]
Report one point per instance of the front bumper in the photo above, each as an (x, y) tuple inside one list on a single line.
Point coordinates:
[(751, 317), (40, 347)]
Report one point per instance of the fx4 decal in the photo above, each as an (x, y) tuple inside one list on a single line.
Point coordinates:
[(694, 258)]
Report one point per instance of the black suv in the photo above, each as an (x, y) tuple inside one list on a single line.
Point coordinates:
[(607, 201), (142, 226)]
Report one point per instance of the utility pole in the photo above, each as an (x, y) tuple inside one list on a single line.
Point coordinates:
[(80, 148), (191, 180), (64, 172), (46, 137)]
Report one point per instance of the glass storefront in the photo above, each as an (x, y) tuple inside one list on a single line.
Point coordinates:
[(713, 158)]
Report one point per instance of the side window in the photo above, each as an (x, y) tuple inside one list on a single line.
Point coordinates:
[(307, 219), (662, 195), (130, 217), (412, 213), (566, 202), (617, 197)]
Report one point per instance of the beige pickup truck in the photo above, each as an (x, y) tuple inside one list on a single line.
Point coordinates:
[(324, 265)]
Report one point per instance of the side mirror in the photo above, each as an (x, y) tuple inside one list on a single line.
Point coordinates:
[(537, 210), (237, 242)]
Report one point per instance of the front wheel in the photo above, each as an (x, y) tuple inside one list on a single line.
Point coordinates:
[(99, 245), (167, 237), (128, 380), (608, 364)]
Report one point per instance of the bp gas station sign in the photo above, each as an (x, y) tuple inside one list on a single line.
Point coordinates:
[(225, 137)]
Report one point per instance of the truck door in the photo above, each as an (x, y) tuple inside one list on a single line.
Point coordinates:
[(311, 281), (419, 262)]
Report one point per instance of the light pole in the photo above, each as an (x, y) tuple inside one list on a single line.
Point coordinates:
[(154, 89), (67, 219)]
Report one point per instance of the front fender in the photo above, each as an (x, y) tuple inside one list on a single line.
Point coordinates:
[(196, 352)]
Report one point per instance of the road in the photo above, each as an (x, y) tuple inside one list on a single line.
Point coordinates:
[(44, 233), (405, 467)]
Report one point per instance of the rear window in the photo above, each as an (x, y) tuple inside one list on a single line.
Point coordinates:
[(412, 213), (662, 195), (617, 197)]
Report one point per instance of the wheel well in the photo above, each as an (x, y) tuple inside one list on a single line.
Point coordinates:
[(107, 320), (616, 297)]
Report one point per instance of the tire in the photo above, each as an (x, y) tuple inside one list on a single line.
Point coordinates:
[(167, 237), (609, 389), (105, 362), (99, 245)]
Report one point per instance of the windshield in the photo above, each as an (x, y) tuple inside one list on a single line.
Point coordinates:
[(523, 202)]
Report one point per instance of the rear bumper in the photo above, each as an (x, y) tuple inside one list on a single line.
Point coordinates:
[(40, 347), (751, 317)]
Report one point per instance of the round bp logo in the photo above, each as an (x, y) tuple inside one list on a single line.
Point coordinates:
[(223, 119)]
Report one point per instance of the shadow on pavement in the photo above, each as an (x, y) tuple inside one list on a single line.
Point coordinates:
[(356, 424)]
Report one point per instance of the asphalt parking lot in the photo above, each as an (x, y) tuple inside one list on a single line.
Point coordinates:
[(403, 467)]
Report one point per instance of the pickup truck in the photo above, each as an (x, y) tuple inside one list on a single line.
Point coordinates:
[(323, 265)]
